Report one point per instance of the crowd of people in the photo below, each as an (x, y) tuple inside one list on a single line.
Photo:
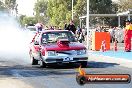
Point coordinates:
[(78, 31), (120, 34), (81, 33)]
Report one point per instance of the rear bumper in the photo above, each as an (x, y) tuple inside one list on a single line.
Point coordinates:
[(64, 59)]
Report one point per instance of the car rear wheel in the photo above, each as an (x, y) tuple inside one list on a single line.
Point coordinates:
[(43, 64), (84, 64), (34, 61)]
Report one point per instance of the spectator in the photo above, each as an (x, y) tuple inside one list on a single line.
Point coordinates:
[(78, 31), (55, 28), (51, 28), (80, 34), (127, 36), (65, 26), (39, 26), (111, 33), (59, 28), (46, 28), (71, 27), (98, 29)]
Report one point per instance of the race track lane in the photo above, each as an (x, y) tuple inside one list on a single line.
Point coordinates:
[(58, 77)]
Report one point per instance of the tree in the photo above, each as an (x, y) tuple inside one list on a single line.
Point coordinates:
[(41, 10), (124, 5), (80, 10), (21, 19), (27, 20), (96, 7), (103, 7), (10, 4), (100, 6), (59, 12), (2, 6)]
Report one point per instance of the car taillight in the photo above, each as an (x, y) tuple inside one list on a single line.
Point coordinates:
[(43, 53)]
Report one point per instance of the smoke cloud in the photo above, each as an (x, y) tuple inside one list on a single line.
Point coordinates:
[(14, 41)]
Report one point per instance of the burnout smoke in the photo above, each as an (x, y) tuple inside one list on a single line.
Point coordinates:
[(14, 41)]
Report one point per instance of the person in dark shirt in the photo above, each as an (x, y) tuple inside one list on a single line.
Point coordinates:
[(65, 26), (71, 27)]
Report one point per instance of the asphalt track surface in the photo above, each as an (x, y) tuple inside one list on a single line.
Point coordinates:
[(61, 76), (14, 64)]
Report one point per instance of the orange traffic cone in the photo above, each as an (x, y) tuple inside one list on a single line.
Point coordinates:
[(103, 46), (115, 45)]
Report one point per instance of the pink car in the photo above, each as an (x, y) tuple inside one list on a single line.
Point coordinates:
[(57, 47)]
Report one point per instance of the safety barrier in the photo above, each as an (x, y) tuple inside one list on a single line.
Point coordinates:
[(98, 38)]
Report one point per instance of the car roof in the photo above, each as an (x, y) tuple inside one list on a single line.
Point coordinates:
[(45, 31), (31, 27), (54, 31)]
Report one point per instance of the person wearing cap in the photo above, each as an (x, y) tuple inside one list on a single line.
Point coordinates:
[(127, 36)]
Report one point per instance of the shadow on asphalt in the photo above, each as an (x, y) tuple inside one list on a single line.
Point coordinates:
[(36, 71), (90, 64), (62, 66), (93, 64), (56, 71)]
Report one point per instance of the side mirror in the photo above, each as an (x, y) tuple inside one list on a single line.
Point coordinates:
[(36, 43)]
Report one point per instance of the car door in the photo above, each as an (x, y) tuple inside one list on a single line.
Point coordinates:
[(36, 48)]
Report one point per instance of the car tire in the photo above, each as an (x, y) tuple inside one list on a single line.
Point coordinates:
[(34, 61), (122, 41), (84, 64), (43, 64)]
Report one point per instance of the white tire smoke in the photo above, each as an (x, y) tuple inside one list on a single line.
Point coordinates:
[(14, 41)]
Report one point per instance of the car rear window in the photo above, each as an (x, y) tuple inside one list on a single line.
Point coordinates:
[(53, 37)]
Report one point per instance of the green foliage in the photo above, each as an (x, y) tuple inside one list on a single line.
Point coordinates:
[(10, 4), (21, 19), (41, 10), (27, 20), (103, 7), (2, 6), (124, 5), (96, 7), (100, 6), (58, 12), (79, 10)]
